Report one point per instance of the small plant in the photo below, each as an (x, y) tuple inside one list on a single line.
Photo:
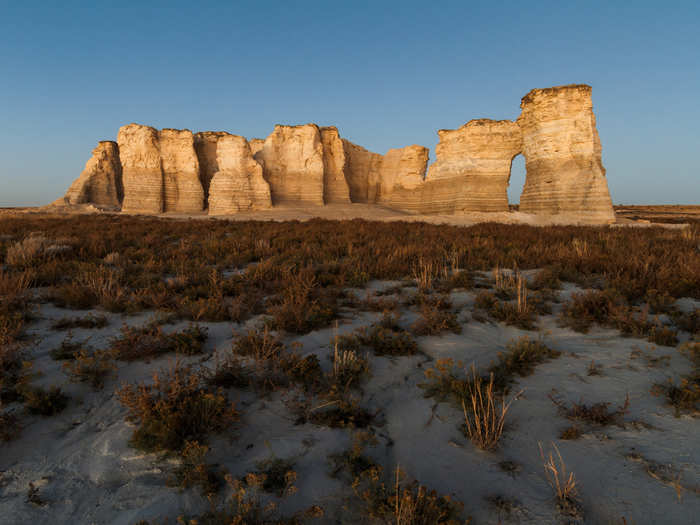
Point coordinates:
[(259, 344), (278, 476), (434, 321), (354, 461), (9, 426), (348, 367), (663, 335), (594, 369), (150, 341), (338, 412), (229, 373), (387, 340), (520, 359), (176, 408), (571, 432), (562, 481), (90, 367), (596, 414), (68, 349), (43, 402), (88, 321), (404, 503), (486, 417), (443, 382), (193, 470)]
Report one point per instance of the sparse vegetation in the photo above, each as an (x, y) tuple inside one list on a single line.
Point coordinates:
[(563, 482), (44, 402), (176, 408), (150, 341), (91, 367)]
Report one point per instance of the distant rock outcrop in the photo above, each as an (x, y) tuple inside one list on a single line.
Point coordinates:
[(472, 168), (292, 161), (205, 145), (142, 176), (335, 186), (175, 171), (239, 184), (562, 151), (100, 183), (182, 187), (361, 172)]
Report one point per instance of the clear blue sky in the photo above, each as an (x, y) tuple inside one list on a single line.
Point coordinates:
[(388, 74)]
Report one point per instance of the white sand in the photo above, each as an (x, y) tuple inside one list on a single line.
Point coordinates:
[(87, 473)]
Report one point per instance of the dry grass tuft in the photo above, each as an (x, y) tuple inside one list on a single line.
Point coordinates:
[(486, 417), (563, 482)]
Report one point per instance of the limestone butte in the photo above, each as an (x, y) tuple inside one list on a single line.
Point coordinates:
[(562, 151), (292, 160), (100, 183), (472, 168), (239, 184), (182, 188), (401, 178), (361, 172), (139, 153), (205, 146), (335, 186), (176, 171)]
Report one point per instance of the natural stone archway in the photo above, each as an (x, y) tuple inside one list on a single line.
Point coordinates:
[(516, 181)]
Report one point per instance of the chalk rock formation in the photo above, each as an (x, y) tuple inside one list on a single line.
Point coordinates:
[(335, 187), (401, 177), (205, 147), (239, 184), (100, 183), (562, 152), (139, 153), (292, 160), (472, 168), (361, 172), (182, 188), (256, 145)]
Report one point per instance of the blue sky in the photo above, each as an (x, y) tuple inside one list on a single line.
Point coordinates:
[(388, 74)]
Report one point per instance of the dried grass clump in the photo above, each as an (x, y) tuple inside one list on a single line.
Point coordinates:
[(26, 251), (42, 402), (194, 471), (684, 395), (91, 367), (563, 482), (520, 359), (385, 338), (435, 321), (486, 417), (88, 321), (150, 341), (596, 414), (175, 408), (348, 367), (404, 503)]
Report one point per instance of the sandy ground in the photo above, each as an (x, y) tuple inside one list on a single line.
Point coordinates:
[(86, 472), (371, 212)]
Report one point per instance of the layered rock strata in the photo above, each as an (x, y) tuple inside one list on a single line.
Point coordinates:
[(175, 171), (401, 178), (562, 151), (335, 185), (292, 160), (205, 146), (361, 172), (239, 184), (142, 176), (100, 183), (182, 188), (472, 168)]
